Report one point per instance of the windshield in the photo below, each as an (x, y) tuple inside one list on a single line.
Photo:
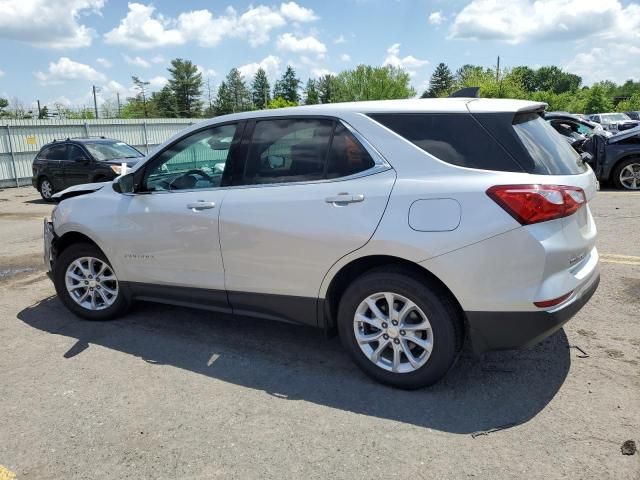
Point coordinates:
[(109, 151), (615, 117), (550, 152)]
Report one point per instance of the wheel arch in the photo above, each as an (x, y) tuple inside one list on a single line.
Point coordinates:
[(622, 158), (357, 267), (73, 237)]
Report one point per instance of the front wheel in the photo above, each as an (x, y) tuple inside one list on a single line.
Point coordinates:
[(626, 175), (87, 285), (400, 331)]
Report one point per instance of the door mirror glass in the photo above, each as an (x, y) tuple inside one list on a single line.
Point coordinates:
[(124, 184)]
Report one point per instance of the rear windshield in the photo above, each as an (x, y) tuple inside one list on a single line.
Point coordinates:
[(110, 151), (489, 141), (546, 147)]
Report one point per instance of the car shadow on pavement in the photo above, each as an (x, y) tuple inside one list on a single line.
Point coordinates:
[(298, 363)]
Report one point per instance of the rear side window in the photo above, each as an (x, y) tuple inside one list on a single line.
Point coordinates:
[(453, 138), (55, 152), (551, 154), (295, 150)]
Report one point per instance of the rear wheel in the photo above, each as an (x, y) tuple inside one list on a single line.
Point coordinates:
[(626, 175), (45, 187), (399, 330), (87, 285)]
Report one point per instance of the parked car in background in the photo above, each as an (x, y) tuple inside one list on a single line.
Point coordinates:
[(614, 122), (616, 159), (376, 219), (64, 163), (633, 115), (573, 127)]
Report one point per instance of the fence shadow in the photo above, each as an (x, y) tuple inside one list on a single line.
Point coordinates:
[(297, 363)]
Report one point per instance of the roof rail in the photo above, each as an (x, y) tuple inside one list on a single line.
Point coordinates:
[(89, 136), (468, 92)]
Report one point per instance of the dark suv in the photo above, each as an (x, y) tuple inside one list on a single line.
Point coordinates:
[(63, 163)]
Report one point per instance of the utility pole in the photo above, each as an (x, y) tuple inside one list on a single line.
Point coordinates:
[(498, 69), (118, 99), (95, 102), (39, 111)]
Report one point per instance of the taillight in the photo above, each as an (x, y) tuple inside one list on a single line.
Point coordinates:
[(553, 302), (537, 203)]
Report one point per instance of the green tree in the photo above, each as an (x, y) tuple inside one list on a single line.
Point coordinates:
[(141, 97), (465, 74), (223, 104), (441, 82), (287, 86), (164, 103), (552, 78), (597, 100), (326, 86), (371, 83), (311, 96), (186, 84), (238, 91), (527, 77), (4, 103), (280, 102), (630, 104), (260, 89)]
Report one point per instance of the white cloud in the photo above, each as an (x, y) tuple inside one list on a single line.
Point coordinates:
[(296, 13), (339, 39), (606, 62), (157, 59), (206, 72), (141, 28), (1, 73), (114, 87), (321, 72), (517, 21), (144, 28), (156, 83), (436, 18), (46, 23), (104, 62), (345, 57), (270, 64), (66, 69), (290, 43), (136, 61), (408, 63)]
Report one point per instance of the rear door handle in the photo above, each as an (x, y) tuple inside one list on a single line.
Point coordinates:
[(344, 198), (200, 205)]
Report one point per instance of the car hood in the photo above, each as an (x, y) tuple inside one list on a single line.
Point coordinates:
[(129, 161), (78, 190), (632, 132)]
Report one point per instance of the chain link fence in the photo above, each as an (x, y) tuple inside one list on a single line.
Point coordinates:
[(20, 140)]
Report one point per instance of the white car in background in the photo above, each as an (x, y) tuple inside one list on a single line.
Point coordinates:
[(614, 122), (406, 226)]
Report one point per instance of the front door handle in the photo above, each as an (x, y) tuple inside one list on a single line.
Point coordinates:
[(200, 205), (344, 198)]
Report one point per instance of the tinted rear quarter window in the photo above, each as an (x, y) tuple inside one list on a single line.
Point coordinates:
[(347, 156), (457, 139), (55, 152)]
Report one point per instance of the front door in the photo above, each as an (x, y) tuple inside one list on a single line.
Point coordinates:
[(78, 166), (170, 242), (310, 194)]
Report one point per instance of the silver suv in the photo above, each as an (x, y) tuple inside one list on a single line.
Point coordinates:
[(405, 226)]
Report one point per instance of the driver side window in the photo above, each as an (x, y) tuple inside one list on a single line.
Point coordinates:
[(196, 161)]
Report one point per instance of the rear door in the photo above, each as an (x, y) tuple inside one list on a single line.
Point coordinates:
[(307, 194), (56, 156)]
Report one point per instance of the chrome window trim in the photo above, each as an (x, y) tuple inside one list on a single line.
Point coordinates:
[(380, 165)]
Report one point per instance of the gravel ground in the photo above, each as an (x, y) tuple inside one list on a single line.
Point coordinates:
[(170, 392)]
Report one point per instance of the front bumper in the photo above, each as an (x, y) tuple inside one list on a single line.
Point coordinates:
[(514, 330)]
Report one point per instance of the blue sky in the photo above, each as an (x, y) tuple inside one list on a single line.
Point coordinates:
[(55, 50)]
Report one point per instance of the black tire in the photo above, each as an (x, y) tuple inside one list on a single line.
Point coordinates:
[(44, 194), (433, 300), (78, 250), (615, 176)]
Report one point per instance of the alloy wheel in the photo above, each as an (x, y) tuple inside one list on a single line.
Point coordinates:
[(630, 176), (393, 332), (46, 189), (91, 283)]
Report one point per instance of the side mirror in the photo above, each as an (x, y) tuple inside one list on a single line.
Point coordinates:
[(124, 184)]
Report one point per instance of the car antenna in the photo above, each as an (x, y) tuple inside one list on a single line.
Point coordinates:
[(467, 92)]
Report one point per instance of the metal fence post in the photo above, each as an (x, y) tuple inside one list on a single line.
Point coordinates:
[(86, 129), (13, 157), (146, 139)]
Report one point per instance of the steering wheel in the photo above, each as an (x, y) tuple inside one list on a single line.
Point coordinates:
[(194, 171)]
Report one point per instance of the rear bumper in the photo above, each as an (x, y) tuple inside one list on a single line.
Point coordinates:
[(514, 330)]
